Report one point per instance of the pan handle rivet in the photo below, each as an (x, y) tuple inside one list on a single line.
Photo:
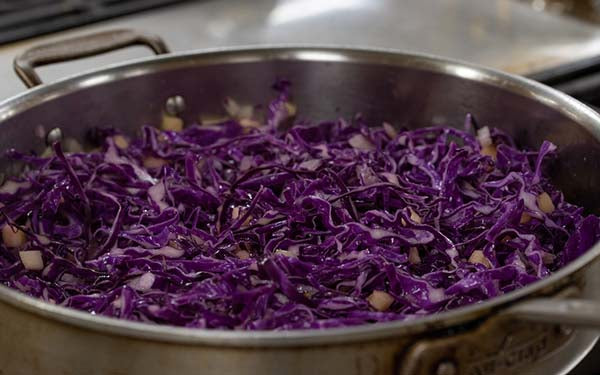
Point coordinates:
[(54, 135), (446, 368), (175, 105)]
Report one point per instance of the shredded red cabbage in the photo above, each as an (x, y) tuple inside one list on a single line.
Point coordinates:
[(239, 226)]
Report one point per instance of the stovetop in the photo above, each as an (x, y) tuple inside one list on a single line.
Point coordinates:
[(504, 34), (21, 19)]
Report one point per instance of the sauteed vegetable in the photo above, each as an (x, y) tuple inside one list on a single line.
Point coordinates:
[(243, 224)]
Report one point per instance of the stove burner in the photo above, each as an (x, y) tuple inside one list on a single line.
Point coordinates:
[(21, 19), (580, 79)]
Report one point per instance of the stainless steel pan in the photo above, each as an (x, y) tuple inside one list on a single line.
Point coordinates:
[(503, 335)]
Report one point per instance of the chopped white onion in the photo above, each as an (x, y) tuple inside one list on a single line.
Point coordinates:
[(250, 123), (286, 253), (490, 151), (380, 300), (120, 141), (154, 163), (360, 142), (545, 203), (324, 150), (11, 187), (391, 177), (242, 254), (525, 218), (235, 212), (477, 256), (13, 236), (171, 123), (413, 255), (415, 216), (157, 194), (290, 108), (143, 283), (169, 252), (311, 165), (484, 137), (390, 130), (231, 107), (32, 260), (246, 163)]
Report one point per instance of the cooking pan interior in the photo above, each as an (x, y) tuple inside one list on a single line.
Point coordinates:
[(405, 91)]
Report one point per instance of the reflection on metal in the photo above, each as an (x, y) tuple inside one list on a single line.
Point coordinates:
[(175, 105), (288, 11), (54, 135)]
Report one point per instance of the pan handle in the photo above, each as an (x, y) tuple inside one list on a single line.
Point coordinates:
[(571, 311), (83, 46)]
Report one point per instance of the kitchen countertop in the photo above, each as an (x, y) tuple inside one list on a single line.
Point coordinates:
[(504, 34)]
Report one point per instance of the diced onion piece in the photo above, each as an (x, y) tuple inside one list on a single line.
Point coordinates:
[(490, 151), (72, 145), (484, 137), (311, 165), (290, 108), (120, 141), (323, 150), (415, 216), (13, 236), (380, 300), (360, 142), (390, 130), (245, 112), (525, 218), (235, 212), (477, 256), (32, 260), (212, 119), (47, 153), (487, 145), (157, 194), (391, 177), (548, 258), (246, 163), (242, 254), (250, 123), (11, 187), (286, 253), (247, 221), (171, 123), (413, 255), (545, 203), (269, 217), (231, 107), (154, 163), (169, 252), (143, 283), (197, 240)]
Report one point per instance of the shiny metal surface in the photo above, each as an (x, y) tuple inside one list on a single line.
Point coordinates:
[(407, 90), (503, 34), (77, 48)]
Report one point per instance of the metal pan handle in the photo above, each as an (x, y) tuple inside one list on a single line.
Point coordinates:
[(83, 46), (572, 312)]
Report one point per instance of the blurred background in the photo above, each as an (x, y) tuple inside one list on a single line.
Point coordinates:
[(554, 41), (519, 36)]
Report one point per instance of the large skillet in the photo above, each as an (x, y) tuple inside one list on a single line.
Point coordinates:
[(506, 334)]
